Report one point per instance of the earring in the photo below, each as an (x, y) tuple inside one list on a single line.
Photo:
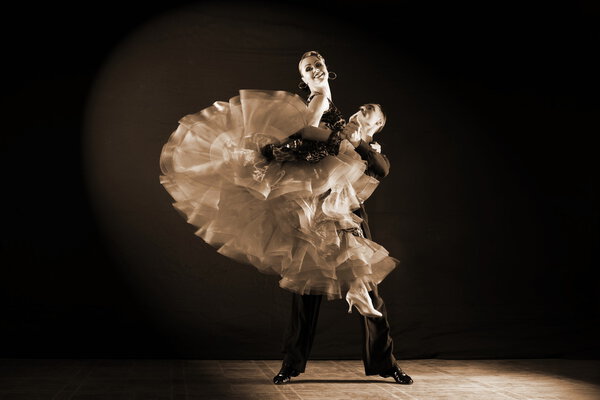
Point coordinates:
[(302, 85), (332, 75)]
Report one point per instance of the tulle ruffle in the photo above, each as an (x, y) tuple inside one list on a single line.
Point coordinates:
[(292, 219)]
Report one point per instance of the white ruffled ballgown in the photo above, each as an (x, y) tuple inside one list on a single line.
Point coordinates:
[(293, 219)]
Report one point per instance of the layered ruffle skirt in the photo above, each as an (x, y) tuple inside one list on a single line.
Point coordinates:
[(293, 219)]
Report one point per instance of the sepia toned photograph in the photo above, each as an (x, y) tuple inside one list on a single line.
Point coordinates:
[(300, 200)]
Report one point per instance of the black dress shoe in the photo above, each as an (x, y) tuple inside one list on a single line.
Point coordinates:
[(285, 375), (398, 375)]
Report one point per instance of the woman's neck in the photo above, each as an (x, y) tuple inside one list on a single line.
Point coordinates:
[(324, 90)]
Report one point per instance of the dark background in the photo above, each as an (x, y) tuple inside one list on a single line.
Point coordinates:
[(491, 203)]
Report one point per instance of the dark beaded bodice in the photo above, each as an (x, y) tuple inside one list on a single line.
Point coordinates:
[(295, 148), (333, 118)]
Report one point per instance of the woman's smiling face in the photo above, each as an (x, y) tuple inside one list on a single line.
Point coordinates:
[(313, 71)]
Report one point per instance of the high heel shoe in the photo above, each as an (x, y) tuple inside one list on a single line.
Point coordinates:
[(361, 300)]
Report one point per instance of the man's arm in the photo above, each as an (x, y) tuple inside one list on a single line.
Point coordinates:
[(377, 163)]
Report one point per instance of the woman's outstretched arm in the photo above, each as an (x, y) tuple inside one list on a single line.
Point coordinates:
[(315, 133)]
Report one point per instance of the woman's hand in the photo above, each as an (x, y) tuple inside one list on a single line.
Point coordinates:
[(352, 134)]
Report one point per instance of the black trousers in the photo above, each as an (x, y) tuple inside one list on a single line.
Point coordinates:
[(378, 345)]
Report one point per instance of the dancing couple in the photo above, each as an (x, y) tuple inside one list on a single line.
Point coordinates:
[(280, 183)]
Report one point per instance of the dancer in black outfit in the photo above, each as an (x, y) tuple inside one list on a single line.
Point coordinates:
[(378, 345)]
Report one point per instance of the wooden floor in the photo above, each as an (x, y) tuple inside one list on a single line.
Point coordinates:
[(208, 379)]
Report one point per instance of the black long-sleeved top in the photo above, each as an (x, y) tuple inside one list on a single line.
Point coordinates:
[(378, 166)]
